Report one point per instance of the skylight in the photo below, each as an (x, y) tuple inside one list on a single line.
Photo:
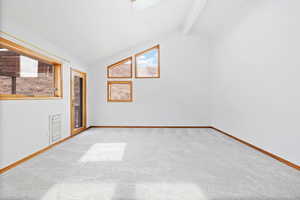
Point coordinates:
[(143, 4)]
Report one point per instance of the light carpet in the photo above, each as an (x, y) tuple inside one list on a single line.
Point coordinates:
[(151, 164)]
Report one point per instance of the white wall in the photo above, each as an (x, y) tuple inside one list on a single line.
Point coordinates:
[(255, 76), (24, 123), (179, 97)]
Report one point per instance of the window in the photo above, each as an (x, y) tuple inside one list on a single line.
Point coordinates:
[(119, 91), (122, 69), (25, 74), (147, 63)]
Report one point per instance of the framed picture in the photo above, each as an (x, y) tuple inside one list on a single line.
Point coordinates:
[(119, 91), (147, 63), (121, 69)]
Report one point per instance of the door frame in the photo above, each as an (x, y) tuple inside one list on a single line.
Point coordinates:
[(74, 130)]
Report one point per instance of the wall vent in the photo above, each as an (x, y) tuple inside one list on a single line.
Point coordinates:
[(54, 128)]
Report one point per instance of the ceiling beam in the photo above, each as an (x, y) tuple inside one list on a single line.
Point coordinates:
[(193, 15)]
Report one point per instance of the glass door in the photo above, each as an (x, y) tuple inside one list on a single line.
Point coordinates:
[(78, 101)]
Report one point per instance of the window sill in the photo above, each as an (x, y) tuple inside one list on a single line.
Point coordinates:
[(11, 97)]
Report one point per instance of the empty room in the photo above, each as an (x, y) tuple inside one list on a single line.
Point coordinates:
[(149, 100)]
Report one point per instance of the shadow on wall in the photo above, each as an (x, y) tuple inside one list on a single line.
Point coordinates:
[(221, 17)]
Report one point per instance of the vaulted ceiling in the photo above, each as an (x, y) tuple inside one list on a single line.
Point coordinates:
[(95, 29)]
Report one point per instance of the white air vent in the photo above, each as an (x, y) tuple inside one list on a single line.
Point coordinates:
[(54, 128)]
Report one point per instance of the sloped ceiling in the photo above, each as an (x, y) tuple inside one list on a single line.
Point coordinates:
[(91, 30), (94, 29)]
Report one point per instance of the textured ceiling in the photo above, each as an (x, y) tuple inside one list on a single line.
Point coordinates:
[(94, 29)]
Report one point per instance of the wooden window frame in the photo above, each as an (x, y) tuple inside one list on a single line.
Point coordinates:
[(158, 61), (117, 64), (118, 82), (58, 84)]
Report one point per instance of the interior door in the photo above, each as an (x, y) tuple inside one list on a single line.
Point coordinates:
[(78, 101)]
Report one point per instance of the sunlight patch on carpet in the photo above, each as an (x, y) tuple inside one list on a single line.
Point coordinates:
[(101, 152)]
